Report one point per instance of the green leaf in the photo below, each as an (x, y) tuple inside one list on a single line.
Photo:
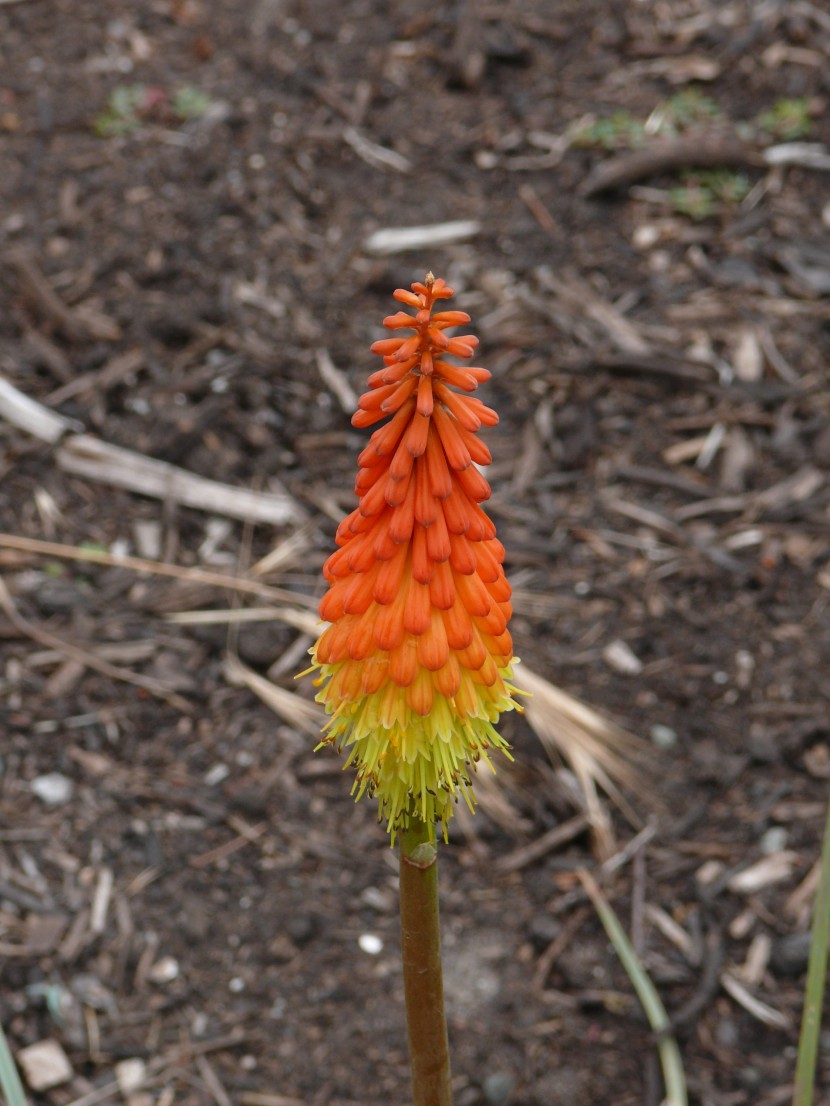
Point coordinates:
[(9, 1078), (671, 1061), (805, 1071)]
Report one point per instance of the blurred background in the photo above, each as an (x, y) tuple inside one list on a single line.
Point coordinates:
[(205, 210)]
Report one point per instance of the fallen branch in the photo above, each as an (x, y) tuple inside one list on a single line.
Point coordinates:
[(83, 455), (26, 414), (703, 152)]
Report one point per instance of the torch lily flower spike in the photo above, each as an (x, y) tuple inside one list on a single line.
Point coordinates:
[(415, 664)]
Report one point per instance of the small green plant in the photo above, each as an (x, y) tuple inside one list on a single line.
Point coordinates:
[(808, 1042), (688, 107), (787, 119), (130, 107), (10, 1083), (623, 130), (122, 114), (612, 132), (190, 102), (703, 192)]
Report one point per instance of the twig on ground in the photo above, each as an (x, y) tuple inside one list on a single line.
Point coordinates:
[(300, 620), (212, 1082), (809, 155), (122, 366), (759, 1010), (468, 56), (704, 152), (541, 846), (531, 199), (580, 298), (558, 946), (256, 1098), (630, 850), (686, 1015), (337, 380), (87, 658), (77, 325), (26, 414), (83, 455), (285, 552), (379, 157), (248, 837), (399, 239)]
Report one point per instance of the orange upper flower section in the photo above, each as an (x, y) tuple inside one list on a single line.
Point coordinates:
[(417, 584)]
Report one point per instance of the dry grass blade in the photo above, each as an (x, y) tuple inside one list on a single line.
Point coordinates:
[(285, 553), (291, 707), (494, 800), (762, 1011), (85, 657), (194, 575), (599, 752)]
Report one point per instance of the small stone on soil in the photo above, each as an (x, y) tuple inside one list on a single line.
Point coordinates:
[(790, 954), (53, 788), (44, 1065)]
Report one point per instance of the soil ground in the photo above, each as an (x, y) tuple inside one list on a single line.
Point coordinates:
[(191, 888)]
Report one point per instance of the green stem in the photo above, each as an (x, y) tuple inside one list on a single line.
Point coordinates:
[(805, 1070), (423, 982)]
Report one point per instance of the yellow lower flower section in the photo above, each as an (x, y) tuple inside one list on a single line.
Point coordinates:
[(416, 764)]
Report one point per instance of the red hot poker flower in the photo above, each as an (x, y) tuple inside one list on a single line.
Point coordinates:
[(415, 666)]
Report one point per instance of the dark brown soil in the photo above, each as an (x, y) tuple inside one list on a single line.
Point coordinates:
[(660, 481)]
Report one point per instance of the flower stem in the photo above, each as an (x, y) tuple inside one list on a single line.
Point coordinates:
[(423, 981)]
